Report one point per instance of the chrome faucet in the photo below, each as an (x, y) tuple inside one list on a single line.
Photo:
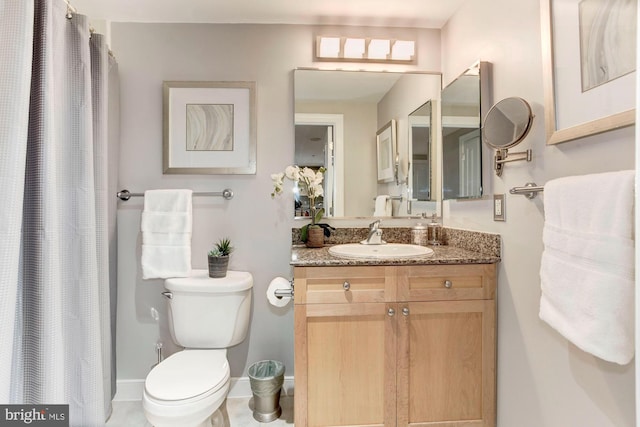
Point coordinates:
[(375, 235)]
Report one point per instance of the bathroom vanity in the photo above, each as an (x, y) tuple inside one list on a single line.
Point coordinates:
[(395, 342)]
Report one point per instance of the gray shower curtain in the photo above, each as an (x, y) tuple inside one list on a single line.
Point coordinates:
[(55, 228)]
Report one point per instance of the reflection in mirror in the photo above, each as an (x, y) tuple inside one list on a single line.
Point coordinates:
[(422, 149), (507, 123), (318, 142), (461, 141), (363, 101)]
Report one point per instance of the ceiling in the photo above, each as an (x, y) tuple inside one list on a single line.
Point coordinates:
[(390, 13)]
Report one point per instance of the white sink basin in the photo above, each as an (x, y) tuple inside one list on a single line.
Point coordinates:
[(385, 251)]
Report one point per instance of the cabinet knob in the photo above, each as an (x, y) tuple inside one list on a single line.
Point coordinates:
[(346, 285), (405, 311), (391, 312), (448, 284)]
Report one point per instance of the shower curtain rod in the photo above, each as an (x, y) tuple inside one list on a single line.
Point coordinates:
[(70, 8)]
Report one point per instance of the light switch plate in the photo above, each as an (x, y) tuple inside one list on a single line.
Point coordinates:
[(499, 207)]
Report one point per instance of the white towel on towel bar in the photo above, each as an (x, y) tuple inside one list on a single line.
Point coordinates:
[(382, 206), (587, 268), (166, 225)]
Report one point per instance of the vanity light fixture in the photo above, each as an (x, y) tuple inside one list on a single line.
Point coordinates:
[(329, 47), (403, 50), (354, 49), (378, 49)]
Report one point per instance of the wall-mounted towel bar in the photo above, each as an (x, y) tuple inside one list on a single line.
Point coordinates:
[(530, 190), (226, 193), (393, 198)]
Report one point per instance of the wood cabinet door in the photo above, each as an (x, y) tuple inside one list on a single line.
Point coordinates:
[(345, 364), (446, 364)]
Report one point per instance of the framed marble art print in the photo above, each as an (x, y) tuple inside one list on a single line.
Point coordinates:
[(209, 127), (386, 149), (588, 58)]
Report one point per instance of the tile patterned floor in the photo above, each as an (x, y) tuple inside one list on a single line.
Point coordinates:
[(238, 412)]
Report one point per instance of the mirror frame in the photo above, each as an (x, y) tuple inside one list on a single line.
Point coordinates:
[(483, 70)]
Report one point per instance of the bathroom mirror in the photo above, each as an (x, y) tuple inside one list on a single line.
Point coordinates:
[(337, 116), (423, 181), (507, 123), (463, 104)]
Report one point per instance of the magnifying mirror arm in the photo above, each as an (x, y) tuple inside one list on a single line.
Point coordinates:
[(396, 169), (408, 172), (503, 156), (396, 172)]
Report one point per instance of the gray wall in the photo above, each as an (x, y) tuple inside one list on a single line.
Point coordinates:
[(259, 226), (543, 380)]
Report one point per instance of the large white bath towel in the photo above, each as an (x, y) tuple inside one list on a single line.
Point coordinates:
[(587, 269), (166, 234), (382, 206)]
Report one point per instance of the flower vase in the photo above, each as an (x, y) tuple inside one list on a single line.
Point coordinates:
[(315, 237), (218, 266)]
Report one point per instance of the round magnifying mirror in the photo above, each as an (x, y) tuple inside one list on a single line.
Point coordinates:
[(507, 123)]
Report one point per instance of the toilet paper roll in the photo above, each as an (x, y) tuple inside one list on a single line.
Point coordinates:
[(279, 283)]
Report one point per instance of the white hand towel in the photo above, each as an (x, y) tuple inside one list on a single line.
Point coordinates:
[(166, 225), (587, 269), (382, 206)]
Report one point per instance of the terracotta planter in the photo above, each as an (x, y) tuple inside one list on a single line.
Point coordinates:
[(315, 237), (218, 266)]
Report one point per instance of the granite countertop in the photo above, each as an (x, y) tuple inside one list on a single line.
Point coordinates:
[(462, 247), (301, 256)]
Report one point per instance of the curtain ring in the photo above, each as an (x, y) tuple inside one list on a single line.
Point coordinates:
[(69, 15)]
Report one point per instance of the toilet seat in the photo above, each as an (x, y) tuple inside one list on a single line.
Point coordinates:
[(188, 376)]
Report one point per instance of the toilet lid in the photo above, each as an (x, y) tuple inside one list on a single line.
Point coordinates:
[(187, 374)]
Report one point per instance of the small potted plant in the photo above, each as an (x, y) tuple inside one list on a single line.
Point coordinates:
[(219, 258)]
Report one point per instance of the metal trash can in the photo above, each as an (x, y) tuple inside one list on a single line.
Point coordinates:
[(266, 378)]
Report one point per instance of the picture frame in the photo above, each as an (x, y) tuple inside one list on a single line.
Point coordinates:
[(571, 113), (209, 128), (385, 150)]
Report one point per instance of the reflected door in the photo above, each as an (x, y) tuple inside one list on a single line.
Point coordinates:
[(318, 142), (470, 164)]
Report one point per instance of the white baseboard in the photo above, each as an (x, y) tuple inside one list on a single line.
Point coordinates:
[(128, 390)]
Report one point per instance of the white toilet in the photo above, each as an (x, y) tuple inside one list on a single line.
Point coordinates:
[(206, 317)]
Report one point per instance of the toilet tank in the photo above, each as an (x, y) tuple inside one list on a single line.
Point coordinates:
[(209, 313)]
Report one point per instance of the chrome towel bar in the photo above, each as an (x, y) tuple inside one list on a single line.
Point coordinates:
[(226, 193), (392, 198), (530, 190)]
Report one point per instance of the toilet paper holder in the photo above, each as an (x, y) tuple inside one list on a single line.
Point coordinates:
[(284, 293)]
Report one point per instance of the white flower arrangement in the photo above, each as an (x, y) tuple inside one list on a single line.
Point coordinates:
[(308, 180)]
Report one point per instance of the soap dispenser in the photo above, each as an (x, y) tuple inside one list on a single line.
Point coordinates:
[(434, 231), (419, 234)]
